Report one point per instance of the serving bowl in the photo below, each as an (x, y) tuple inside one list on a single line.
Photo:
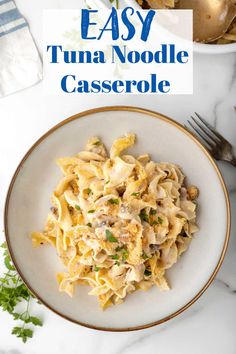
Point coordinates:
[(28, 202), (197, 47)]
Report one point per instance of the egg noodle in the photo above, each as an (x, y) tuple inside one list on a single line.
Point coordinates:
[(228, 37), (118, 222)]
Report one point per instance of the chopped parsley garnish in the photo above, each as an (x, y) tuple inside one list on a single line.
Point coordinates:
[(97, 143), (115, 257), (117, 263), (107, 182), (125, 255), (110, 237), (96, 268), (136, 194), (147, 273), (89, 224), (114, 201), (153, 212), (77, 207), (118, 249), (143, 216), (88, 190), (144, 256), (91, 211), (157, 222)]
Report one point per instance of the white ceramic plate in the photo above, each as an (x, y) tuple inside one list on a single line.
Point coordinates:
[(28, 204), (197, 47)]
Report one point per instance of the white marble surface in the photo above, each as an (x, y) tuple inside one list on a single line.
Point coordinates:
[(209, 325)]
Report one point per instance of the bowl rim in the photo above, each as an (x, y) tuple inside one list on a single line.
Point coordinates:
[(201, 48), (156, 115), (211, 49)]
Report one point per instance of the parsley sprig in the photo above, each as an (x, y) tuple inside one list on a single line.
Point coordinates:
[(113, 201), (13, 292), (144, 216), (135, 194), (110, 236)]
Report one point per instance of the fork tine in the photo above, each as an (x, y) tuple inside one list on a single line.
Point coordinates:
[(198, 131), (210, 127), (186, 127), (210, 135)]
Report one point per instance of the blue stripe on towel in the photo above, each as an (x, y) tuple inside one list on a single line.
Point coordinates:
[(2, 2), (9, 16), (13, 29)]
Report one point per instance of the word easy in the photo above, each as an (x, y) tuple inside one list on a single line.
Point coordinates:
[(112, 25)]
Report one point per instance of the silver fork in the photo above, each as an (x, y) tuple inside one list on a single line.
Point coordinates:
[(216, 144)]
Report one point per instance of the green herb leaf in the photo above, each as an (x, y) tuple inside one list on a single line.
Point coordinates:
[(96, 268), (114, 201), (115, 257), (153, 212), (144, 256), (77, 207), (117, 263), (107, 182), (4, 245), (13, 292), (88, 191), (158, 221), (136, 194), (125, 255), (23, 333), (110, 237), (89, 224), (118, 249), (143, 216), (16, 330), (97, 143), (16, 316), (91, 211), (36, 321), (147, 273), (8, 263)]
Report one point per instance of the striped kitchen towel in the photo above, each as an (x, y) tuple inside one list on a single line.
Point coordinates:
[(20, 63)]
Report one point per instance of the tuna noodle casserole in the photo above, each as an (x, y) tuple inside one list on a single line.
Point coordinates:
[(118, 221)]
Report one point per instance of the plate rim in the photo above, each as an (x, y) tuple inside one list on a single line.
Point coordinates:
[(156, 115)]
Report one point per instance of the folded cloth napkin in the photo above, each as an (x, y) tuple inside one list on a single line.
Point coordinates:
[(20, 63)]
